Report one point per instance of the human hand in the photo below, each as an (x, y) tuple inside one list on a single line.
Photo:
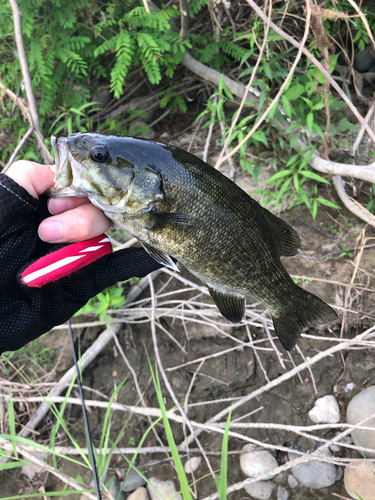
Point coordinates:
[(31, 306), (73, 219)]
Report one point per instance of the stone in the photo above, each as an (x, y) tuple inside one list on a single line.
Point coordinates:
[(139, 494), (282, 493), (326, 410), (336, 447), (260, 489), (360, 482), (132, 481), (292, 481), (364, 59), (339, 473), (114, 488), (192, 464), (314, 474), (359, 408), (166, 489), (254, 463), (31, 469)]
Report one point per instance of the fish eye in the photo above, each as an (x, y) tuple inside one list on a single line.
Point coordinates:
[(99, 154)]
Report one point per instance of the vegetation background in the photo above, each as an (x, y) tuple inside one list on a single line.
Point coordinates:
[(277, 88)]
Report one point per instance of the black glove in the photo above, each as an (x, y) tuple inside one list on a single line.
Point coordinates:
[(29, 310)]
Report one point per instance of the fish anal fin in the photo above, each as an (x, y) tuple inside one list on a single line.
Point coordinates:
[(163, 258), (289, 241), (309, 311), (231, 306), (165, 221)]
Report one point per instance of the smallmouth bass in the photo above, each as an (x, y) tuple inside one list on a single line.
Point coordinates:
[(179, 206)]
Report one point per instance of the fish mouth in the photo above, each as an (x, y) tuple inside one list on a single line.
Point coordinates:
[(67, 170)]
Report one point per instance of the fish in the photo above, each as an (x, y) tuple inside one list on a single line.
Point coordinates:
[(182, 209)]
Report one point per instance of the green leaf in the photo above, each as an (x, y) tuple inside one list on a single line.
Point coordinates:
[(278, 175), (287, 106), (344, 125), (309, 121), (12, 465), (328, 203), (260, 136), (267, 70), (313, 175), (294, 92)]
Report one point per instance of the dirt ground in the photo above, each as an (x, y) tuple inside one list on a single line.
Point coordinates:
[(326, 266)]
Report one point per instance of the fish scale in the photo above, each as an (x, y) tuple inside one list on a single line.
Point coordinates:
[(179, 206)]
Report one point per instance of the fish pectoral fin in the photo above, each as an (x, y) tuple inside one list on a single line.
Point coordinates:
[(232, 307), (288, 239), (170, 221), (163, 258)]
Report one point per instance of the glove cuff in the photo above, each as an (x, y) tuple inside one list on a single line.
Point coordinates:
[(65, 261)]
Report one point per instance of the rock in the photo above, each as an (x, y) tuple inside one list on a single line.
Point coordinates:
[(139, 494), (326, 410), (254, 463), (344, 440), (259, 489), (192, 464), (334, 448), (166, 489), (314, 474), (360, 407), (364, 59), (339, 473), (31, 469), (114, 489), (292, 481), (132, 481), (282, 493), (360, 482)]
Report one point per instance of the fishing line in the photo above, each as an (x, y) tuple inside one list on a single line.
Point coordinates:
[(88, 434)]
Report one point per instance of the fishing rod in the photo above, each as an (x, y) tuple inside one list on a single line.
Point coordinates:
[(87, 427)]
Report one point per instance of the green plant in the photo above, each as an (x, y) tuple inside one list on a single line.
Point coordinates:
[(346, 252), (110, 298), (290, 182), (70, 120)]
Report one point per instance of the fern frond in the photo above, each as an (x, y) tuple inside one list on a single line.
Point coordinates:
[(124, 59), (230, 48)]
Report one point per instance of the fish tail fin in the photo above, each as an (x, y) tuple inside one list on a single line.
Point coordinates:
[(309, 310)]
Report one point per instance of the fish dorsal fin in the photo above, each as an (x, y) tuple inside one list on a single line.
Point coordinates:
[(163, 258), (232, 307), (289, 241)]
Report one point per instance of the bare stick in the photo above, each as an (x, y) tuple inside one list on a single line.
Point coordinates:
[(166, 381), (27, 80), (219, 160), (33, 459), (285, 83), (85, 360), (351, 204), (18, 148), (362, 131), (286, 376), (321, 68)]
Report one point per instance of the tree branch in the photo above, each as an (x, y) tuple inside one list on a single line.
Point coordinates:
[(27, 81)]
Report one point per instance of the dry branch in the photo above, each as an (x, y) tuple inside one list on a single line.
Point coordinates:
[(17, 16)]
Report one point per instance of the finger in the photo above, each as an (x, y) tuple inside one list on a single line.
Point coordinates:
[(59, 205), (79, 224), (34, 177)]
